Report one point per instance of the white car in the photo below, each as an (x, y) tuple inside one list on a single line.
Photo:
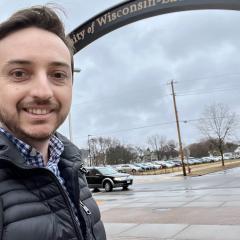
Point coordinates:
[(128, 168), (166, 164), (153, 165)]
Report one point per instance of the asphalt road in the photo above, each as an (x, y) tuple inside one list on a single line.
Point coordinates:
[(174, 207)]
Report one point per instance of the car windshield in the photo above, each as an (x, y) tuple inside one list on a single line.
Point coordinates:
[(106, 171)]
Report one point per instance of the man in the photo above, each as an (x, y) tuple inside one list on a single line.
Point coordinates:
[(43, 190)]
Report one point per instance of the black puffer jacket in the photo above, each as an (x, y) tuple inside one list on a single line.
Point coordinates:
[(34, 205)]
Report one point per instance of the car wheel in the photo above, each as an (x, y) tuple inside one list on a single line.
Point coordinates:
[(108, 186), (133, 170)]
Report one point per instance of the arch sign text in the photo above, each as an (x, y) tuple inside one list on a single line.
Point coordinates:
[(134, 10)]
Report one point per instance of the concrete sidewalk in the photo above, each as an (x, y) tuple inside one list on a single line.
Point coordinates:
[(175, 208)]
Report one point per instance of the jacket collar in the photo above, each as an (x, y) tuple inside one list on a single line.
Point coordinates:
[(9, 151), (70, 156)]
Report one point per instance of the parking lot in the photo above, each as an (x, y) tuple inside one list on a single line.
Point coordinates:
[(174, 207)]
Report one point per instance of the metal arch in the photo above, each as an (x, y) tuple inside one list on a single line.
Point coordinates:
[(134, 10)]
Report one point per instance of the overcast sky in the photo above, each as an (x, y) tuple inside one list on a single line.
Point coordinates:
[(122, 90)]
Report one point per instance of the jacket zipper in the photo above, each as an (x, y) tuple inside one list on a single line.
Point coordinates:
[(76, 226), (89, 229), (85, 208), (83, 169)]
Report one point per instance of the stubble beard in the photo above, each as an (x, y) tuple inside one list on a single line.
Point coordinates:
[(11, 123)]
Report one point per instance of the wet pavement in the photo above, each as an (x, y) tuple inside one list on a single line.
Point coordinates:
[(174, 207)]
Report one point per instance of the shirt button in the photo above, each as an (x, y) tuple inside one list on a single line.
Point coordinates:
[(33, 152)]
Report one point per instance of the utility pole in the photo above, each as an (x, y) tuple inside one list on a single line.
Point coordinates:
[(178, 130)]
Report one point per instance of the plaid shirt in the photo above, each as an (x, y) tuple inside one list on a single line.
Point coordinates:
[(34, 158)]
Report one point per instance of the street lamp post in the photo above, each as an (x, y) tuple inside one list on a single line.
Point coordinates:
[(70, 126), (89, 150), (76, 70)]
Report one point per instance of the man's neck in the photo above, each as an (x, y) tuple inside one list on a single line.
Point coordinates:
[(41, 146)]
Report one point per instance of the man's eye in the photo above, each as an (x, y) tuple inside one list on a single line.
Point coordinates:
[(19, 74), (59, 76)]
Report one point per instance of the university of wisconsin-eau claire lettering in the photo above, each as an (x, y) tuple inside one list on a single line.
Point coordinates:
[(116, 14)]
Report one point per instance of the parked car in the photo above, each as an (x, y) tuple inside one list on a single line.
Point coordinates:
[(178, 163), (153, 165), (172, 163), (207, 159), (189, 162), (192, 160), (228, 156), (146, 166), (107, 178), (166, 164), (142, 166), (159, 163), (128, 168), (216, 158)]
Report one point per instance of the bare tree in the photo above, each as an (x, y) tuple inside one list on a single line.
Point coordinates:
[(170, 149), (157, 144), (92, 150), (163, 148), (217, 122), (98, 148), (140, 153), (104, 145)]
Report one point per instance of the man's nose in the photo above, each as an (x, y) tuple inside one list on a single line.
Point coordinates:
[(42, 87)]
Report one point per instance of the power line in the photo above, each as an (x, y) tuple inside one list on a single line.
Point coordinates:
[(107, 99), (114, 97), (135, 128), (224, 86), (179, 94), (199, 119), (188, 93), (210, 77), (152, 125)]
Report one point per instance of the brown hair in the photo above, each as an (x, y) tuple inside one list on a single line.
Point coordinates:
[(41, 17)]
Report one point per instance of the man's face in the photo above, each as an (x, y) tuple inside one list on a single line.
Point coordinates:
[(35, 83)]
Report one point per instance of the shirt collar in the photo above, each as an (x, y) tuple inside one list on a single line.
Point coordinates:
[(31, 155)]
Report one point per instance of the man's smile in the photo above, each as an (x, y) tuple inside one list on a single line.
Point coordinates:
[(38, 111)]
